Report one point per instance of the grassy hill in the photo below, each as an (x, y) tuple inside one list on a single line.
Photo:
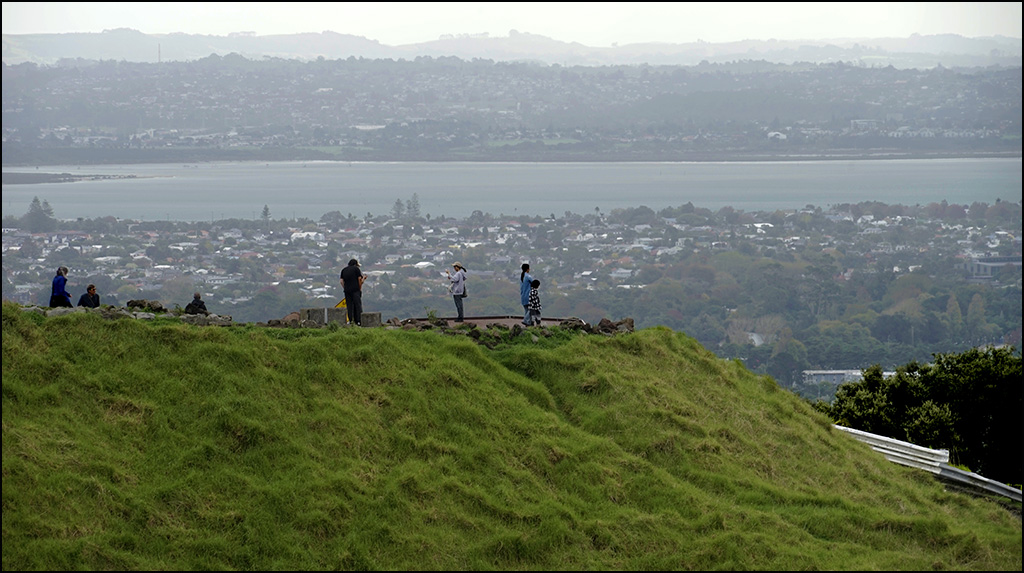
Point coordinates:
[(132, 445)]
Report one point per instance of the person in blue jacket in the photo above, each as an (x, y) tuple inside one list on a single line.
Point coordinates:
[(524, 293), (59, 295)]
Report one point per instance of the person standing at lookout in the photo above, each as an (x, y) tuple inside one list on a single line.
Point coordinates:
[(352, 282), (458, 287), (525, 280)]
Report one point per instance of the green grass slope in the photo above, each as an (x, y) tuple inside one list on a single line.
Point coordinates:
[(132, 445)]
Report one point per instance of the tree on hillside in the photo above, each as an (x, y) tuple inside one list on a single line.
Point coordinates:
[(968, 403), (39, 218)]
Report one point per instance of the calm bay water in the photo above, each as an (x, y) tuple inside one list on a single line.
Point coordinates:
[(310, 189)]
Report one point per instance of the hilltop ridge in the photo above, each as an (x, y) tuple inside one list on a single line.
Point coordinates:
[(131, 445), (126, 44)]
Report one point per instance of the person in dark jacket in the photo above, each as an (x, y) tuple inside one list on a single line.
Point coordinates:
[(352, 283), (59, 295), (89, 298), (197, 306)]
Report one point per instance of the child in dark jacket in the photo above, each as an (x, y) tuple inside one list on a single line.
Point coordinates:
[(534, 304)]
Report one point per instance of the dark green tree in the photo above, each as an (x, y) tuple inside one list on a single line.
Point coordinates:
[(969, 403)]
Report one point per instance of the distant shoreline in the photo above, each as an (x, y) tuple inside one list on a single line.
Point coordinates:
[(13, 178), (23, 178)]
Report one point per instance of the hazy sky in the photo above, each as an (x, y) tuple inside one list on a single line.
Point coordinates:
[(592, 24)]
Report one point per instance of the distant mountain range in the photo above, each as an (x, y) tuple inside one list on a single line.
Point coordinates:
[(916, 51)]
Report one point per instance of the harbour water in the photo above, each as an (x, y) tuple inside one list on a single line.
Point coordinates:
[(213, 191)]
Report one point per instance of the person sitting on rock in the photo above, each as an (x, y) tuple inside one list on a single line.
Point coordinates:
[(89, 298), (197, 306)]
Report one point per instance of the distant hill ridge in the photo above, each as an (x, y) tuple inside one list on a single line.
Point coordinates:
[(132, 445), (921, 51)]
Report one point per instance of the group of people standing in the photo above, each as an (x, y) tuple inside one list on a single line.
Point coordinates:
[(529, 297), (60, 297), (352, 283)]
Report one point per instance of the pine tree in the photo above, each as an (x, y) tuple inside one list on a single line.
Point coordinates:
[(39, 218), (412, 206), (266, 217)]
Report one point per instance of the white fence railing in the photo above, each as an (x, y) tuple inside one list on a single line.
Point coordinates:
[(934, 461)]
